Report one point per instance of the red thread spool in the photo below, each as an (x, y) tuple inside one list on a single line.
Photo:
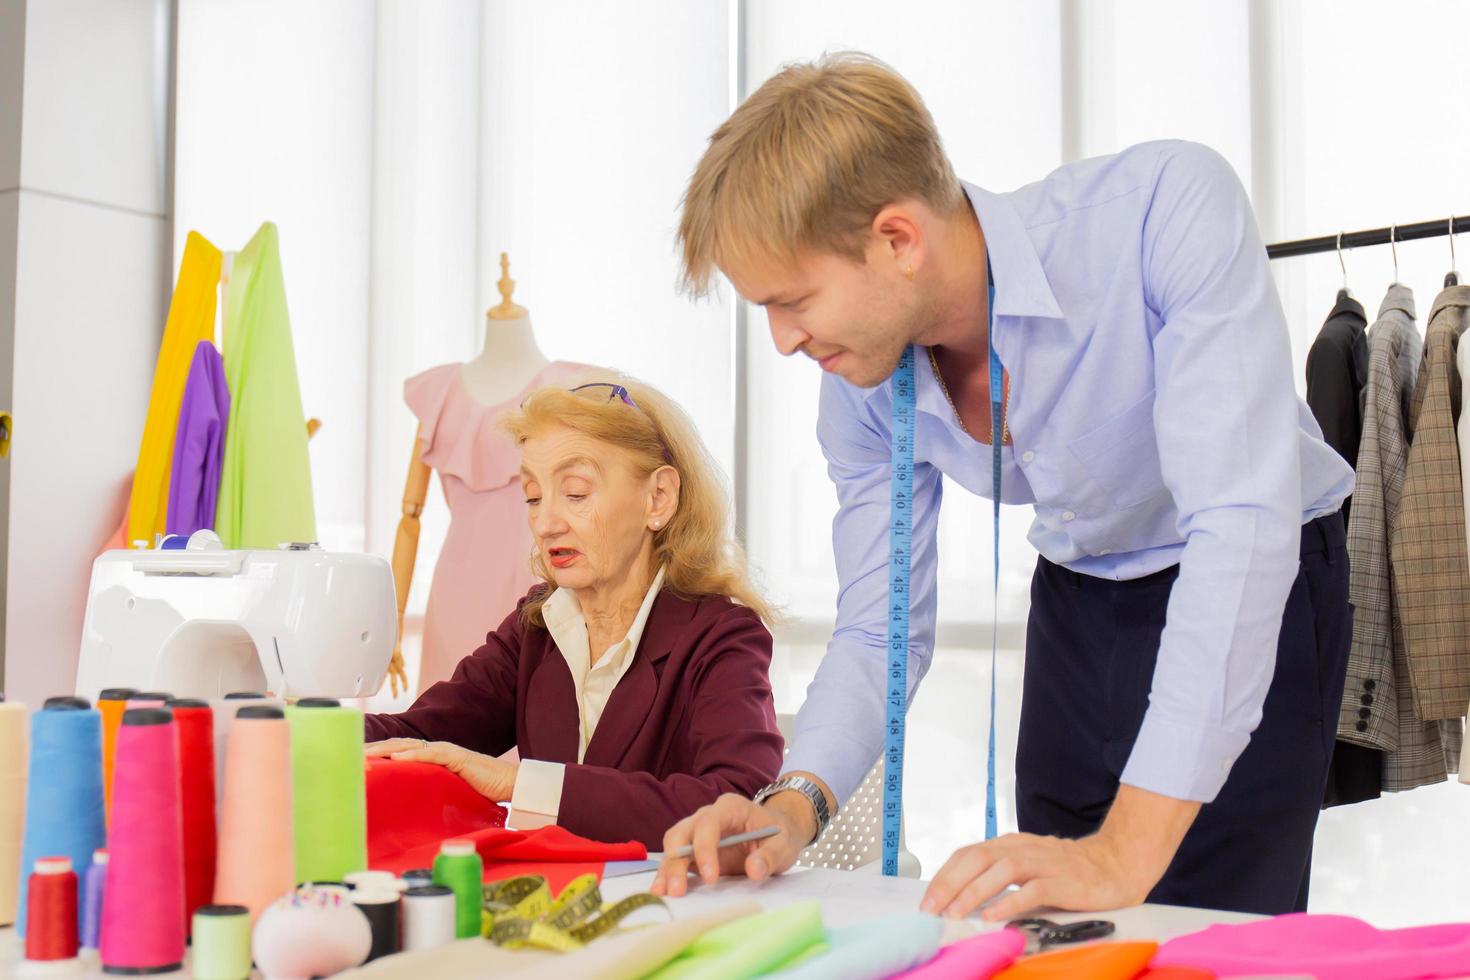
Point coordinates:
[(195, 723), (143, 896), (51, 911)]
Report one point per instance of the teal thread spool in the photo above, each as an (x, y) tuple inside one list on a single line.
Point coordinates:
[(459, 868), (221, 942), (329, 790)]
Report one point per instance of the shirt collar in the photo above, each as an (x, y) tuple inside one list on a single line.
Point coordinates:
[(1021, 286), (1399, 297), (568, 628), (1347, 306)]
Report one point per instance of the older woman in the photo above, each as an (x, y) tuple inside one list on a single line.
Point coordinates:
[(634, 681)]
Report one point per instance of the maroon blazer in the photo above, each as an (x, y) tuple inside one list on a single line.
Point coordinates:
[(691, 718)]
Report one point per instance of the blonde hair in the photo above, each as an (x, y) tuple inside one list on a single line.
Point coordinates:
[(807, 162), (699, 556)]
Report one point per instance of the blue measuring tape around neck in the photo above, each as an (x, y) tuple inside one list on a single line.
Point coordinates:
[(900, 553)]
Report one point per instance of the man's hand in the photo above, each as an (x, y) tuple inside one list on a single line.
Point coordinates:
[(492, 778), (733, 814), (1116, 867)]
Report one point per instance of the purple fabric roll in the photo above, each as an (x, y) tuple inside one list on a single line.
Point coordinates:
[(199, 443)]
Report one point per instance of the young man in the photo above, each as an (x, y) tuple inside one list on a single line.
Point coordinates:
[(1189, 623)]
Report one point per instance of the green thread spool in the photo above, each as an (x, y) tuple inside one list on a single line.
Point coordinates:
[(459, 868), (221, 943), (329, 792)]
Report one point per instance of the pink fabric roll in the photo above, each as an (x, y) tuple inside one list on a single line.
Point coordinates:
[(975, 958), (256, 862), (1329, 947)]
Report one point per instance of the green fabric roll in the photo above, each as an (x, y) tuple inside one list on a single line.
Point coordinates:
[(752, 946), (329, 792), (265, 483)]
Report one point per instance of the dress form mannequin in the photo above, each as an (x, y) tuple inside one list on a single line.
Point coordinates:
[(494, 379)]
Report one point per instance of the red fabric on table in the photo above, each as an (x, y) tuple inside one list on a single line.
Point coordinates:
[(413, 807)]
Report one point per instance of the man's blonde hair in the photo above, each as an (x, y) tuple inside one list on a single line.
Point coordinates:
[(699, 555), (807, 162)]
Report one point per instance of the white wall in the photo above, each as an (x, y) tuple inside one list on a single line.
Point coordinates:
[(90, 220)]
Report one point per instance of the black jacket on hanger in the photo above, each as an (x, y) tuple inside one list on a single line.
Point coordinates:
[(1337, 372)]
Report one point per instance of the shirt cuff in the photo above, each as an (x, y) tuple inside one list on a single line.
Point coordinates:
[(538, 788), (1183, 761)]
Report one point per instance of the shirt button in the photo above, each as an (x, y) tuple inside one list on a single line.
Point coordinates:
[(1366, 699), (1027, 456), (1361, 726), (1365, 713), (1068, 515), (1369, 685)]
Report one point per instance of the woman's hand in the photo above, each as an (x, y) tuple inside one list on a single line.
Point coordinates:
[(494, 779)]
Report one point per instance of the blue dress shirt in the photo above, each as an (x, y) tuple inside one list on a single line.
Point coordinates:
[(1155, 422)]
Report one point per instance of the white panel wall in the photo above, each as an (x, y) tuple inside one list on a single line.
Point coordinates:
[(89, 226)]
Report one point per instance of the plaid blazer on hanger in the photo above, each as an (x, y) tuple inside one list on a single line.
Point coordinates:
[(1377, 699), (1431, 568)]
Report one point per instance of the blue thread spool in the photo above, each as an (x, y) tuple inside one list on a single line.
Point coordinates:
[(64, 815)]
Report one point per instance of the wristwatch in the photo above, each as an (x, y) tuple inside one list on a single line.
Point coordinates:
[(807, 788)]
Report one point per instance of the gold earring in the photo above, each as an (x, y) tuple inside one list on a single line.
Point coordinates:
[(910, 273)]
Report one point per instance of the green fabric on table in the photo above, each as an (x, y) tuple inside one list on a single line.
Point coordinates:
[(265, 484), (750, 947)]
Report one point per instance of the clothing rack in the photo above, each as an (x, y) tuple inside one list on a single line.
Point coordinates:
[(1438, 228)]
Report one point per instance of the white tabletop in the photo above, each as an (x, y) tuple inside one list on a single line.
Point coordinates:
[(846, 897)]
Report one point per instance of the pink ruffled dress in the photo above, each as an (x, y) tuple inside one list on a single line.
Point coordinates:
[(484, 565)]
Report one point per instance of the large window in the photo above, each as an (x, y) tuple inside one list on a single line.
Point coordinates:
[(402, 146)]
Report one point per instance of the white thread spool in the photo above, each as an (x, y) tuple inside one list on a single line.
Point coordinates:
[(428, 917)]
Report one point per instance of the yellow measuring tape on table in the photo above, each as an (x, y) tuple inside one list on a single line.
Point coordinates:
[(522, 912)]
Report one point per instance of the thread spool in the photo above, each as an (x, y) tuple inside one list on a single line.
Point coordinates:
[(429, 917), (374, 880), (256, 862), (64, 813), (52, 902), (225, 709), (459, 868), (112, 702), (221, 942), (195, 726), (143, 898), (92, 886), (149, 699), (12, 804), (418, 878), (381, 907), (66, 701), (329, 790)]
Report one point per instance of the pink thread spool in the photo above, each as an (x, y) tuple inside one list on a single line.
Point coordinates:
[(257, 862), (143, 897)]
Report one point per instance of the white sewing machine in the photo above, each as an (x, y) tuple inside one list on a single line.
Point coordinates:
[(201, 621)]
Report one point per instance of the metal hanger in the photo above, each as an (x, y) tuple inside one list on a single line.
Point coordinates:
[(1452, 278), (1393, 233), (1344, 292)]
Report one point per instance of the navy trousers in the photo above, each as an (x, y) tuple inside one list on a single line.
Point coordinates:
[(1091, 645)]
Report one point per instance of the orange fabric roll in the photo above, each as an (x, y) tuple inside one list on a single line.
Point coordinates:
[(1102, 961)]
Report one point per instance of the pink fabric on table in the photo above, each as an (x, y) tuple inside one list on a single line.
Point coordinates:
[(975, 958), (1329, 947)]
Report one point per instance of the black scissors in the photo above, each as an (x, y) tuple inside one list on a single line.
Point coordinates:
[(1042, 934)]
